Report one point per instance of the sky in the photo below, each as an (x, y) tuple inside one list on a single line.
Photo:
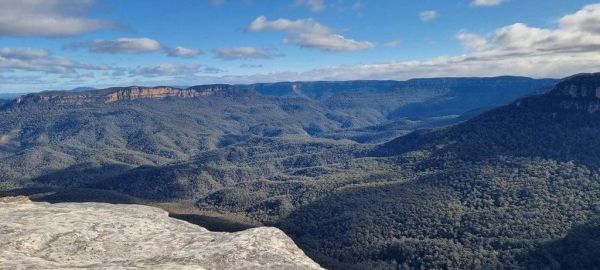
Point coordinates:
[(63, 44)]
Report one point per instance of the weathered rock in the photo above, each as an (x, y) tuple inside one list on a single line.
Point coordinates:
[(105, 236), (578, 93), (114, 94)]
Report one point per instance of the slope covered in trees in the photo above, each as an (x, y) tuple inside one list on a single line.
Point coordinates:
[(489, 192), (111, 130), (499, 191)]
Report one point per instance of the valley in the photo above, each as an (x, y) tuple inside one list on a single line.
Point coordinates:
[(300, 134), (468, 186)]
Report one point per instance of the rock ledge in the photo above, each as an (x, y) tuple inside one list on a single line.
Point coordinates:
[(105, 236)]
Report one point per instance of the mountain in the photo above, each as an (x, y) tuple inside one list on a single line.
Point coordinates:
[(83, 89), (108, 236), (8, 96), (422, 98), (320, 90), (46, 132), (577, 250), (560, 125), (309, 164), (504, 87), (507, 189), (121, 93), (120, 128)]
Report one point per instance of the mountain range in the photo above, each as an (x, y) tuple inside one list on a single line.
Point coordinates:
[(131, 126), (447, 173)]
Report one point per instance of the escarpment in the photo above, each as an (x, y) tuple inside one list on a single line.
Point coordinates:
[(115, 94), (578, 93)]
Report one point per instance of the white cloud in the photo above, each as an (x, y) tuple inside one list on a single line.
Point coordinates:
[(48, 18), (428, 15), (310, 34), (134, 46), (584, 20), (576, 34), (313, 5), (33, 59), (392, 43), (244, 53), (182, 52), (486, 3), (261, 23), (124, 45), (518, 49), (330, 42), (23, 53), (211, 70), (165, 70), (251, 66), (470, 40)]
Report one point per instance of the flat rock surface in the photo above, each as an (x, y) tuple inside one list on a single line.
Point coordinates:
[(107, 236)]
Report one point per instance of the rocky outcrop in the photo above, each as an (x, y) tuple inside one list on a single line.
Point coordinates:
[(114, 94), (105, 236), (132, 93), (586, 86), (576, 93)]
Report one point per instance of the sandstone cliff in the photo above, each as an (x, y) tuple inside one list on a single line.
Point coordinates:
[(579, 86), (105, 236), (576, 93), (114, 94)]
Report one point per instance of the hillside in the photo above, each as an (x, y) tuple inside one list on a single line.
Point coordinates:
[(106, 236), (300, 134), (117, 129), (9, 96), (498, 191), (308, 164)]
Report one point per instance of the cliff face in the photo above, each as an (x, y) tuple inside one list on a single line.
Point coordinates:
[(132, 93), (123, 93), (579, 93), (105, 236), (585, 86)]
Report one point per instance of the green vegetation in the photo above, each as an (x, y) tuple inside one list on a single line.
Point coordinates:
[(517, 187), (501, 192)]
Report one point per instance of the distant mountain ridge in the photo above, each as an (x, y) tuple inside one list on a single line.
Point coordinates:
[(318, 90), (82, 89), (325, 89), (7, 96), (114, 94), (583, 92), (506, 169), (131, 126)]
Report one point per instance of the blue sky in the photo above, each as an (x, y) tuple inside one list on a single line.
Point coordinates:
[(61, 44)]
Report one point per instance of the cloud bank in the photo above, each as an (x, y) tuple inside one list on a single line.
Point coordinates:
[(309, 34), (571, 46), (244, 53), (428, 15), (48, 18), (486, 3), (128, 45), (33, 59)]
